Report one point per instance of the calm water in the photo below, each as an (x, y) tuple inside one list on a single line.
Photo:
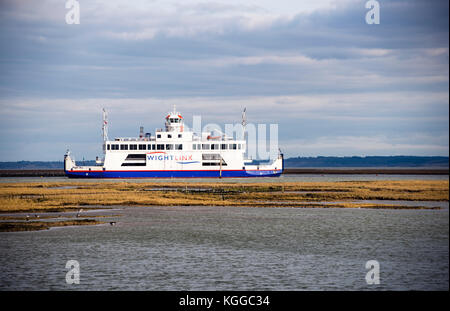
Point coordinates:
[(235, 248), (283, 178)]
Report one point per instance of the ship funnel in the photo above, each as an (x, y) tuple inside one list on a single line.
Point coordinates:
[(141, 132)]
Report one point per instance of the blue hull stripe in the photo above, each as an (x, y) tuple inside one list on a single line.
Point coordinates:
[(171, 174)]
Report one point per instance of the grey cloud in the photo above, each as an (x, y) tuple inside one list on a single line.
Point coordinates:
[(218, 53)]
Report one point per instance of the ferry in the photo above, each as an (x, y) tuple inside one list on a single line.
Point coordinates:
[(173, 152)]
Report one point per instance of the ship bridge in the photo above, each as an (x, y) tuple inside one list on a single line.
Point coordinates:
[(174, 122)]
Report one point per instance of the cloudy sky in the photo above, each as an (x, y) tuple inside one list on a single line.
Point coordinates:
[(334, 84)]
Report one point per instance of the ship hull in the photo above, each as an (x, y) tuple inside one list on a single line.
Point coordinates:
[(174, 174)]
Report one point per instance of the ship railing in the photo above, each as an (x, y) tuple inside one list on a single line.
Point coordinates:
[(134, 139), (86, 168)]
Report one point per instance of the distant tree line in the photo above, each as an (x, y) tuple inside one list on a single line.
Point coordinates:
[(369, 161), (39, 165)]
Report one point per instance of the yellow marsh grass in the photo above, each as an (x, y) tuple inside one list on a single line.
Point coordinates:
[(41, 196)]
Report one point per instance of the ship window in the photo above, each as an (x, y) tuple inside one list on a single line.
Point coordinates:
[(140, 156), (194, 146), (153, 147), (179, 135), (169, 136), (206, 156), (134, 164), (158, 136), (123, 147), (178, 147), (149, 147), (115, 147), (213, 164), (160, 147), (107, 146), (142, 147), (239, 146), (224, 146), (233, 146), (198, 147), (133, 147), (215, 147), (205, 146), (169, 147)]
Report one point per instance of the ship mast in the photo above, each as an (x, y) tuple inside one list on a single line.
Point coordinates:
[(244, 123), (244, 119), (105, 126)]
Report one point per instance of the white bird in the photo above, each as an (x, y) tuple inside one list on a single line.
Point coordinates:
[(79, 212)]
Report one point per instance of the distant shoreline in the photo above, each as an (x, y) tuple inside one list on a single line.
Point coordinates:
[(369, 171), (311, 171)]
